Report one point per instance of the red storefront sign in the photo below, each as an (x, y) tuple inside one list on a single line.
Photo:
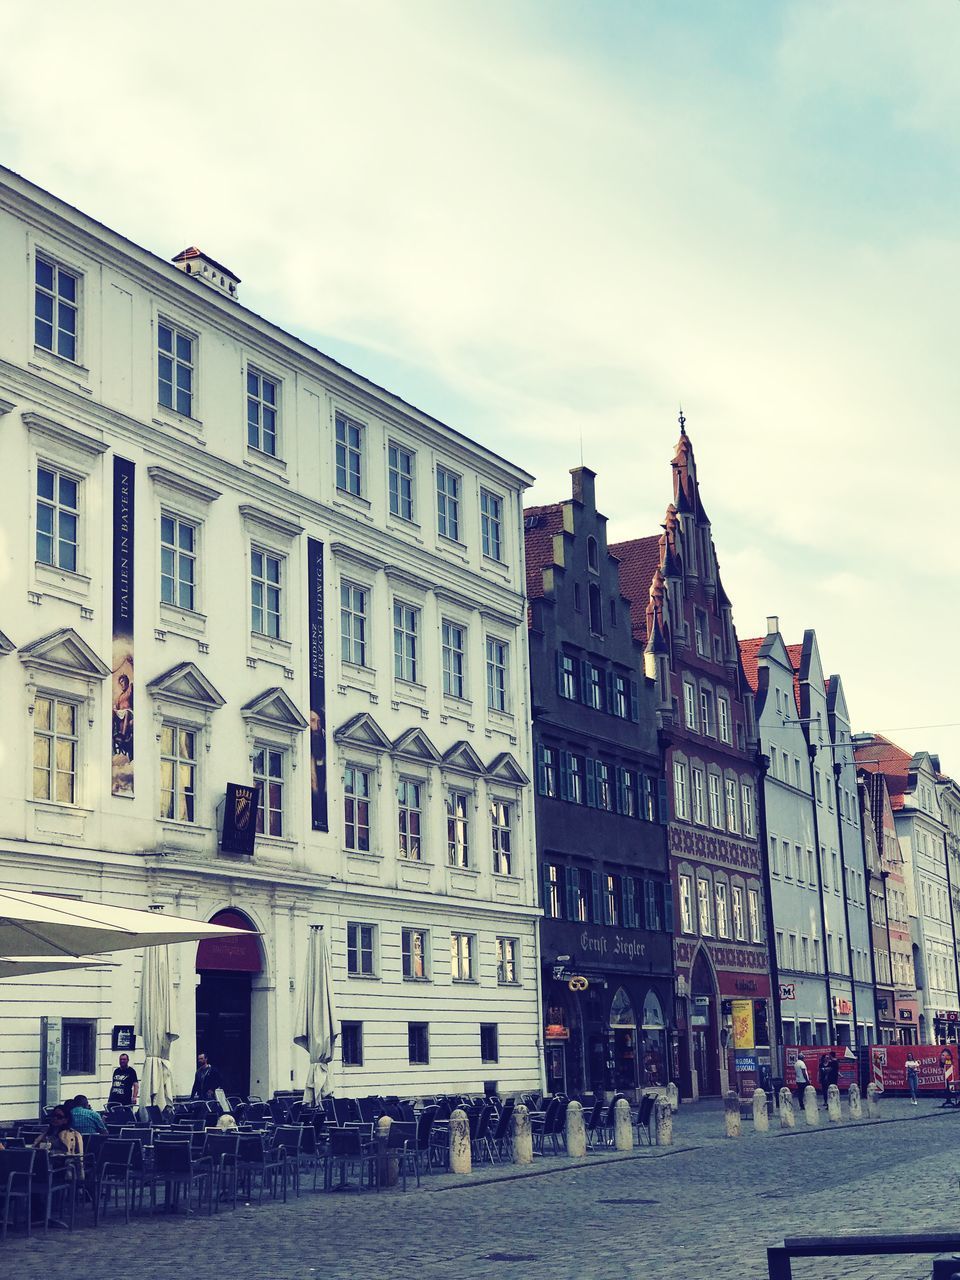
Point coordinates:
[(889, 1070), (811, 1056)]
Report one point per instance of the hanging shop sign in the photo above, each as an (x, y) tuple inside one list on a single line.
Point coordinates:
[(743, 1037), (578, 983), (788, 991)]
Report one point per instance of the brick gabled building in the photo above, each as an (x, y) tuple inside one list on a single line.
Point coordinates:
[(684, 619)]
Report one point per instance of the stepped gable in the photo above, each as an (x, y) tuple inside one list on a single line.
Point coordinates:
[(639, 558), (540, 525)]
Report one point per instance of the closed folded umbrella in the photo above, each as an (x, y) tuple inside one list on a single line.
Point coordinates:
[(317, 1026), (33, 924), (23, 966), (156, 1024)]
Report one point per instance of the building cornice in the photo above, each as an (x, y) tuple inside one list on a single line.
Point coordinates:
[(180, 483)]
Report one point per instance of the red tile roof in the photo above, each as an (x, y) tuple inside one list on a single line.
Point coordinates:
[(880, 755), (749, 650), (639, 559), (539, 526)]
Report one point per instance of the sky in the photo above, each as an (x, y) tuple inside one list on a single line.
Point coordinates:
[(550, 223)]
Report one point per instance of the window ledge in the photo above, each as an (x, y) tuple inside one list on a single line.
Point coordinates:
[(189, 619), (465, 982), (74, 585), (59, 806), (260, 458), (352, 502), (453, 545), (271, 645), (62, 364), (515, 983), (363, 977), (463, 871), (363, 853), (281, 844), (419, 980)]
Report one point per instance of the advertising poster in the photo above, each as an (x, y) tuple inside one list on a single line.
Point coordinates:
[(121, 719), (888, 1066), (318, 686), (743, 1037), (812, 1054)]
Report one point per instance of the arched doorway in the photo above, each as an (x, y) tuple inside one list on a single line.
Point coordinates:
[(653, 1042), (227, 968), (703, 1026), (623, 1036)]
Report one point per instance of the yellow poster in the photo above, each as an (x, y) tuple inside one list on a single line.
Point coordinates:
[(743, 1024)]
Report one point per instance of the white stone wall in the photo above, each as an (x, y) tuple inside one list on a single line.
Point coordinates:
[(77, 416)]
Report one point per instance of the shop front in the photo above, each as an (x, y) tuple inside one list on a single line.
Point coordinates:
[(906, 1029), (946, 1026)]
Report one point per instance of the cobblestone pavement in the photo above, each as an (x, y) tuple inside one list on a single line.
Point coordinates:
[(707, 1208)]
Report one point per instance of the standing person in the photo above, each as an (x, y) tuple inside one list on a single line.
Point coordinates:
[(207, 1080), (946, 1066), (803, 1077), (125, 1086), (913, 1079), (823, 1076), (833, 1070), (84, 1118)]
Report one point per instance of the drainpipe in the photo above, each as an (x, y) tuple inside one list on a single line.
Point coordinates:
[(837, 771), (763, 766), (812, 754)]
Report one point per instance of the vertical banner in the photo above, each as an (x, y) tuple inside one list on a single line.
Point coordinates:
[(121, 721), (743, 1028), (318, 686)]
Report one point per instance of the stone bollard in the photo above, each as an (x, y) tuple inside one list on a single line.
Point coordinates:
[(575, 1131), (622, 1125), (731, 1113), (787, 1119), (854, 1102), (460, 1161), (521, 1136), (673, 1097), (873, 1101), (389, 1165), (761, 1117), (811, 1107), (833, 1104), (664, 1114)]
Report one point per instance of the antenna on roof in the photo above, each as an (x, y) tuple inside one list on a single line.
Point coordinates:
[(683, 422), (581, 446)]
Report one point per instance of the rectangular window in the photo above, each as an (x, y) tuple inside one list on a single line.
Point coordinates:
[(703, 904), (689, 705), (406, 620), (753, 905), (716, 814), (699, 798), (551, 892), (263, 404), (461, 957), (593, 693), (268, 776), (352, 1043), (353, 624), (458, 829), (349, 456), (58, 518), (580, 879), (746, 801), (418, 1043), (500, 817), (78, 1047), (686, 904), (489, 1046), (706, 713), (175, 368), (507, 971), (701, 633), (621, 697), (55, 302), (723, 916), (356, 809), (627, 789), (453, 644), (779, 947), (796, 772), (491, 524), (569, 685), (680, 789), (723, 719), (409, 818), (613, 898), (601, 773), (448, 504), (360, 950), (739, 918), (547, 771), (775, 856), (55, 745), (733, 818), (575, 779), (497, 655), (400, 476), (178, 773), (799, 859), (413, 946), (178, 561), (265, 593)]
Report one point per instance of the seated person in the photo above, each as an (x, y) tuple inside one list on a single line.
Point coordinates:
[(84, 1118), (60, 1137)]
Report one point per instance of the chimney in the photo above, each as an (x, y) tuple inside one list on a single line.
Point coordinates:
[(193, 262), (583, 487), (773, 624)]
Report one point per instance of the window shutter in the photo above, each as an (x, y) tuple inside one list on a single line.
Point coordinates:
[(607, 904), (597, 894), (634, 702), (545, 886), (584, 680), (591, 782), (651, 904), (621, 789), (629, 902), (563, 771), (663, 809), (560, 672), (541, 771), (668, 907), (572, 875), (611, 706)]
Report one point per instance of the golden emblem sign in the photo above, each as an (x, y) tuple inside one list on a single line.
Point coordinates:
[(578, 983)]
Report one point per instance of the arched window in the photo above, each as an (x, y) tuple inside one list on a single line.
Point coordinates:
[(593, 555), (621, 1010)]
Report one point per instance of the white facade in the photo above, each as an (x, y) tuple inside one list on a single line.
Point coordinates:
[(423, 573)]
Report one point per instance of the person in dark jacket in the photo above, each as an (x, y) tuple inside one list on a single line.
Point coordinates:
[(207, 1080)]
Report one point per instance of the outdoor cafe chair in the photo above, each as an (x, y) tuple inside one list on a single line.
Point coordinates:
[(177, 1168), (596, 1133), (542, 1124), (370, 1109), (16, 1180), (288, 1138), (120, 1115), (349, 1148), (55, 1178), (644, 1112), (501, 1134), (402, 1147), (222, 1150), (260, 1164), (480, 1135), (114, 1172)]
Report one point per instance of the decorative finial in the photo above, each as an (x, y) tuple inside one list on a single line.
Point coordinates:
[(683, 422)]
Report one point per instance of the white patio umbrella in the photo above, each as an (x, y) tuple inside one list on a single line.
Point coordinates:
[(23, 966), (317, 1026), (156, 1024), (34, 924)]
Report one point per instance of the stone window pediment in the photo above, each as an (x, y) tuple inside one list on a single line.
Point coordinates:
[(185, 685), (504, 768), (414, 744), (175, 486), (362, 731), (6, 645), (261, 523), (64, 653), (461, 758), (275, 709)]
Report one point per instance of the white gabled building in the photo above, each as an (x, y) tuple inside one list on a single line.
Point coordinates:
[(226, 558)]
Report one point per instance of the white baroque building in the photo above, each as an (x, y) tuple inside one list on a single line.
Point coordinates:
[(226, 558)]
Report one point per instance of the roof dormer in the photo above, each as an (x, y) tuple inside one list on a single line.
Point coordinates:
[(194, 262)]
